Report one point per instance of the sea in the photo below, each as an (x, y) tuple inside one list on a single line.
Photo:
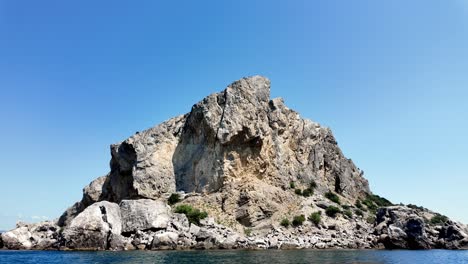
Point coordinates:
[(237, 256)]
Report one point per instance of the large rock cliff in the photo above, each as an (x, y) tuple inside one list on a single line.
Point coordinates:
[(248, 161)]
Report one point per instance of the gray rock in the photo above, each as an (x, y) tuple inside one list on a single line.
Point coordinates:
[(144, 214), (92, 228), (41, 235), (19, 238), (403, 227), (194, 229), (238, 131), (166, 240), (96, 191)]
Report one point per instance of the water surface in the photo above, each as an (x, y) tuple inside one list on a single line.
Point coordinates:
[(238, 256)]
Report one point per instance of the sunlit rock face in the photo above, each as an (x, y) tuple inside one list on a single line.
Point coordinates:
[(237, 133)]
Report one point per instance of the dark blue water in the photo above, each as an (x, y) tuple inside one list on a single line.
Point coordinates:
[(268, 256)]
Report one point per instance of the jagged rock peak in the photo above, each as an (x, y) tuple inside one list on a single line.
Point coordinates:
[(236, 139)]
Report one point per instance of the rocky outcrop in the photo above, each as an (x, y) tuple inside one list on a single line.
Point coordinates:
[(238, 133), (94, 227), (43, 235), (401, 227), (249, 162), (144, 214)]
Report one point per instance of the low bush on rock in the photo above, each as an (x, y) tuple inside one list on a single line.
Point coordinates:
[(359, 212), (416, 207), (313, 185), (348, 213), (373, 202), (298, 191), (285, 222), (292, 185), (298, 220), (173, 199), (247, 231), (438, 219), (332, 197), (315, 217), (307, 192), (359, 204), (370, 219), (193, 215), (332, 211)]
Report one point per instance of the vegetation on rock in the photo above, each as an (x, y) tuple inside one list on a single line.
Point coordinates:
[(332, 197), (315, 217), (348, 213), (285, 222), (193, 215), (298, 220), (298, 191), (173, 199), (307, 192), (332, 211), (438, 219)]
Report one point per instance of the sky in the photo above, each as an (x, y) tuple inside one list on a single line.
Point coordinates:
[(388, 77)]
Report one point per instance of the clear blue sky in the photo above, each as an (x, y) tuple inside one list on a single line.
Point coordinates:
[(389, 77)]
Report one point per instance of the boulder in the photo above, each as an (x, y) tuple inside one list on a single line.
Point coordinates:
[(19, 238), (144, 214), (92, 228), (43, 235), (166, 240)]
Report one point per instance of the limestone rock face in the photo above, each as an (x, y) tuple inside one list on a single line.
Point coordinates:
[(141, 166), (144, 214), (93, 227), (237, 133)]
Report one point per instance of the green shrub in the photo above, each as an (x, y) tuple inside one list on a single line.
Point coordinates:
[(315, 217), (285, 222), (332, 197), (332, 211), (348, 213), (173, 199), (359, 212), (247, 231), (292, 185), (312, 185), (298, 191), (346, 207), (307, 192), (438, 219), (370, 219), (358, 204), (194, 215), (413, 206), (373, 202), (298, 220), (183, 209), (379, 201)]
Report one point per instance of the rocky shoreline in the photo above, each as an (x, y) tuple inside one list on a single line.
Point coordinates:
[(150, 225), (240, 171)]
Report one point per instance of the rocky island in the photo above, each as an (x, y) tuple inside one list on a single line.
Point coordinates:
[(240, 171)]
